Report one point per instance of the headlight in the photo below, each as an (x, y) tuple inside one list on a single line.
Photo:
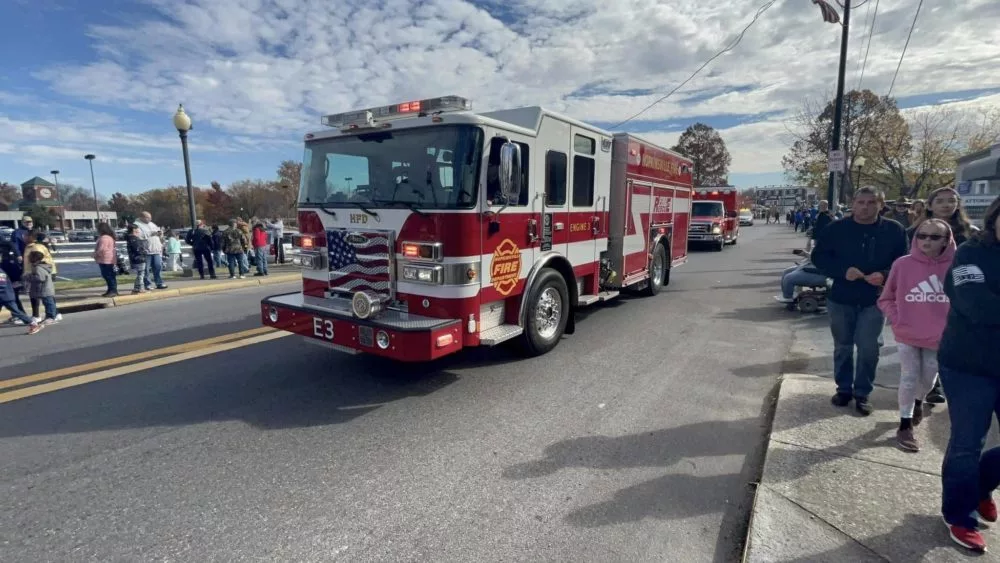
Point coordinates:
[(272, 313), (716, 229), (382, 339), (364, 305), (422, 274)]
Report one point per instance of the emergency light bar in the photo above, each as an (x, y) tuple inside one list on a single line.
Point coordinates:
[(369, 117)]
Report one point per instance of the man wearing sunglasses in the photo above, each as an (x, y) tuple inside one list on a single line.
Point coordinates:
[(857, 253)]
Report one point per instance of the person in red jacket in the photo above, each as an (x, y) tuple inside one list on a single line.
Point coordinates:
[(260, 247)]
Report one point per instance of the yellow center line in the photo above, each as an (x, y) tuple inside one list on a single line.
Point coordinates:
[(187, 346), (124, 370)]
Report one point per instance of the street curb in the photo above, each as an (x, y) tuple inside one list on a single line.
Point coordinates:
[(91, 304)]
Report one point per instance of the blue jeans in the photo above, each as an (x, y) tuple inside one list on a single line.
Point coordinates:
[(140, 276), (966, 477), (261, 254), (50, 307), (854, 326), (109, 273), (16, 311), (796, 276), (155, 262), (233, 263)]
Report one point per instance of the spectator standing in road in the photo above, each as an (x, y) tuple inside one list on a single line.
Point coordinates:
[(173, 249), (9, 302), (106, 257), (916, 306), (857, 252), (235, 244), (154, 250), (260, 248), (138, 249), (277, 229), (203, 246), (823, 218), (39, 242), (42, 287), (20, 238), (969, 362)]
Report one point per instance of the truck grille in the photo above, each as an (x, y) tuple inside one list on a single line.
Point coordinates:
[(360, 261), (698, 228)]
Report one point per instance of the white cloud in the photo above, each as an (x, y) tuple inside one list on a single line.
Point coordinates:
[(263, 69)]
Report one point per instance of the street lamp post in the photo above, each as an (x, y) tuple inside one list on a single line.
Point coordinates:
[(859, 163), (183, 124), (830, 16), (97, 204), (55, 177)]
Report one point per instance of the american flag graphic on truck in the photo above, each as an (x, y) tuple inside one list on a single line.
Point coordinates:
[(360, 261)]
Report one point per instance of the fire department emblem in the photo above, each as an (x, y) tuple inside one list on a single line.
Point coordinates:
[(506, 269)]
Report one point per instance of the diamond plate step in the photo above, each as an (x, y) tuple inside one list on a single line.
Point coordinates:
[(499, 334)]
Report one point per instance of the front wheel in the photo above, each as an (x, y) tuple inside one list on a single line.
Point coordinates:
[(720, 246), (657, 271), (547, 314)]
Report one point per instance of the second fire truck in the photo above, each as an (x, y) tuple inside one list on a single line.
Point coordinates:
[(426, 228)]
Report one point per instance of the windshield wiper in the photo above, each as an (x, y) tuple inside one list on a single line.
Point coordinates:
[(412, 206), (363, 207)]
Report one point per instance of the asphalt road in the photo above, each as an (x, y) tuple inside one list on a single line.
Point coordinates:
[(636, 439)]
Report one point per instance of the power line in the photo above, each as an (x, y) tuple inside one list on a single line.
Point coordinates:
[(868, 49), (905, 45), (732, 45)]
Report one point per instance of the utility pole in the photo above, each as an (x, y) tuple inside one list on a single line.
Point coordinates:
[(832, 194)]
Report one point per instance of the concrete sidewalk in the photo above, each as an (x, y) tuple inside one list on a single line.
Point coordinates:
[(88, 299), (835, 487)]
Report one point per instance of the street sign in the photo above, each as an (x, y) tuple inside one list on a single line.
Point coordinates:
[(837, 161)]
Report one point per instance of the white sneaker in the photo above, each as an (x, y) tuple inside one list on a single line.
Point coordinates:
[(17, 322), (783, 299), (242, 277), (58, 317), (35, 320)]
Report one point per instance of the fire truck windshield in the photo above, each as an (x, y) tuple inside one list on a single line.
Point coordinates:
[(706, 209), (430, 167)]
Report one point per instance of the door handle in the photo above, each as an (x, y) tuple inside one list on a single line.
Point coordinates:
[(595, 225), (532, 230)]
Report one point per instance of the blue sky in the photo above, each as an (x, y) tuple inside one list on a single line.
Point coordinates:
[(255, 75)]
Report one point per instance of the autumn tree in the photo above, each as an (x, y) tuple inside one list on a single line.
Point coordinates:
[(9, 195), (866, 117), (218, 208), (124, 206), (169, 206), (703, 144), (255, 198)]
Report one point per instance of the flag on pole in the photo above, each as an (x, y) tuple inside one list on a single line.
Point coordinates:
[(830, 14)]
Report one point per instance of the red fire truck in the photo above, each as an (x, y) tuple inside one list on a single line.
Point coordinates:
[(714, 217), (426, 228)]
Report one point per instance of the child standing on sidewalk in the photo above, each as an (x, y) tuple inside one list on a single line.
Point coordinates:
[(42, 287), (7, 302), (916, 306), (138, 248), (173, 249)]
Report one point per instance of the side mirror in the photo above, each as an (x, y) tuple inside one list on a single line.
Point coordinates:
[(732, 214), (510, 171)]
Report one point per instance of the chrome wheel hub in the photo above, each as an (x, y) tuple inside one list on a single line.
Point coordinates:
[(548, 313)]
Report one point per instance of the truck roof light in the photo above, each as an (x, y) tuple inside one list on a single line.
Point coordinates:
[(372, 116)]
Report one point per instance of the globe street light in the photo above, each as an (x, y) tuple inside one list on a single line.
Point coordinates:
[(183, 124), (97, 204), (55, 176), (859, 163)]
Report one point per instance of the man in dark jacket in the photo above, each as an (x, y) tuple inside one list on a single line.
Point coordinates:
[(857, 252), (20, 238), (969, 362), (202, 246), (823, 218)]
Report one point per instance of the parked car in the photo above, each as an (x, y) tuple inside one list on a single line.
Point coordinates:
[(56, 237), (6, 233), (82, 236)]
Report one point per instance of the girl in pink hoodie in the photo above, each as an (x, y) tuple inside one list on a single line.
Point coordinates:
[(914, 302)]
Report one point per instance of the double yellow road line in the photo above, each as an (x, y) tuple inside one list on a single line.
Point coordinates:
[(54, 380)]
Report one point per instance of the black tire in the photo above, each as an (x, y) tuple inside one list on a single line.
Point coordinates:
[(537, 339), (808, 304), (655, 282), (720, 246)]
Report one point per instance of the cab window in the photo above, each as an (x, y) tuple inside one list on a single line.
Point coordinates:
[(493, 174)]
